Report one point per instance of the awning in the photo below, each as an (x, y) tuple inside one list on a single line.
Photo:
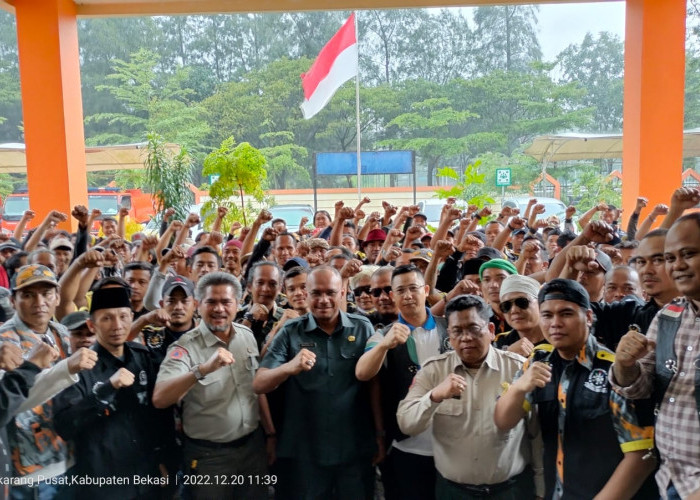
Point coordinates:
[(121, 157), (551, 148)]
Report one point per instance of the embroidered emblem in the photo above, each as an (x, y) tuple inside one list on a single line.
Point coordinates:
[(155, 340), (178, 353), (597, 381)]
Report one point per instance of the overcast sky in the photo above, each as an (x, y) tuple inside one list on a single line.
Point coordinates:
[(563, 24)]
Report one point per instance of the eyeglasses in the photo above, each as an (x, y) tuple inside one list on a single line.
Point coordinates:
[(474, 331), (413, 289), (521, 302), (377, 292), (362, 289)]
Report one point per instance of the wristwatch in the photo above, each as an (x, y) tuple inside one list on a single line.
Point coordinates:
[(197, 374)]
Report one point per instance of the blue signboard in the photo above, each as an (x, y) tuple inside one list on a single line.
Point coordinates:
[(373, 163)]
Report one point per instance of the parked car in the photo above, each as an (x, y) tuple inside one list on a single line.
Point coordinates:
[(552, 206), (432, 209)]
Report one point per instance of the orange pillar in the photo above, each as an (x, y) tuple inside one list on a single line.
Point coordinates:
[(49, 70), (653, 101)]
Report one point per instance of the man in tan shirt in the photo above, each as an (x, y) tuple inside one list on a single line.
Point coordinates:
[(457, 392)]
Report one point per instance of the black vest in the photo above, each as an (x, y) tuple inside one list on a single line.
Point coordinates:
[(396, 377)]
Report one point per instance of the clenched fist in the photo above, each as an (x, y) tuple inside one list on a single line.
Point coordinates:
[(397, 335), (633, 346), (10, 356), (451, 387), (222, 357), (121, 378), (303, 361), (538, 375), (42, 355), (82, 359)]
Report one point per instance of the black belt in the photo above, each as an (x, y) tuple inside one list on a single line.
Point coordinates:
[(484, 490), (216, 445)]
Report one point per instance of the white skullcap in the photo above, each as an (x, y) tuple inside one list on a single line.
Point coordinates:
[(520, 284)]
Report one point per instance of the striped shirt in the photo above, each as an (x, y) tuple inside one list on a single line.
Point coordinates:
[(677, 426)]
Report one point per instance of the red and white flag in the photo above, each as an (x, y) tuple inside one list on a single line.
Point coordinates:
[(335, 65)]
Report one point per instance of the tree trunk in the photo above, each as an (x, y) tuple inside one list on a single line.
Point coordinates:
[(240, 188)]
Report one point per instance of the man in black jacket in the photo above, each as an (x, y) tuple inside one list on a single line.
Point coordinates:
[(108, 414), (14, 390)]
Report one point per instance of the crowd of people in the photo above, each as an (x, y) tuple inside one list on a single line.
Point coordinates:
[(502, 356)]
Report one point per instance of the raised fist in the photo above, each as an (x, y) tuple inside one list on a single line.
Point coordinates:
[(82, 359), (122, 378)]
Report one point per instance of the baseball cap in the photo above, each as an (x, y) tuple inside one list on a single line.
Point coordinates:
[(489, 253), (31, 275), (563, 289), (422, 254), (174, 282), (295, 262), (10, 245), (75, 320), (61, 243)]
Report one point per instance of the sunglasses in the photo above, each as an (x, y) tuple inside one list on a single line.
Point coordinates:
[(362, 289), (377, 292), (522, 303)]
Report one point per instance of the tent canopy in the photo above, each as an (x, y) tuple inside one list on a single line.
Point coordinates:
[(565, 147), (125, 156)]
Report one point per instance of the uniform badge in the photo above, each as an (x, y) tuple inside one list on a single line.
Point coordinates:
[(351, 338), (597, 381), (178, 353), (143, 378), (155, 340)]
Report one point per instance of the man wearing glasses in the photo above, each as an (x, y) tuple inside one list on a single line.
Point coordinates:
[(457, 393), (380, 289), (402, 347), (520, 309)]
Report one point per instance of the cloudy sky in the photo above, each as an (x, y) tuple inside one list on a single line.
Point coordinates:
[(563, 24)]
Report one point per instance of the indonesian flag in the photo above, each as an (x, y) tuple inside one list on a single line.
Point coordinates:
[(335, 65)]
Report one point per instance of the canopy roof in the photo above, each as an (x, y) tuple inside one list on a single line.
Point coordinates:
[(97, 158), (565, 147), (163, 7)]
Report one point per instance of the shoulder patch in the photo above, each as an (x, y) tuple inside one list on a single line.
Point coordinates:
[(178, 353), (606, 356)]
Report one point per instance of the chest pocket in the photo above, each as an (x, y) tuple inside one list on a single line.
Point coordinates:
[(592, 396), (213, 385), (448, 419)]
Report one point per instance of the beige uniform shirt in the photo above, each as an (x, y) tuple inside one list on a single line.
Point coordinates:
[(468, 447), (222, 406)]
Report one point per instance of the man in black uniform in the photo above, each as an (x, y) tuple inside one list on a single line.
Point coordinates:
[(108, 414), (176, 317)]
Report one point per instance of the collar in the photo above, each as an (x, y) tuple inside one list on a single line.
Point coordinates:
[(587, 353), (103, 353), (490, 360), (21, 327), (344, 321), (209, 338), (428, 325)]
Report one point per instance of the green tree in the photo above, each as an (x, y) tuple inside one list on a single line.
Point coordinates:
[(597, 65), (150, 101), (470, 185), (168, 177), (241, 171), (506, 38), (433, 129)]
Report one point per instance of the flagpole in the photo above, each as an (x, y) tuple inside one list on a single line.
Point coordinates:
[(357, 115)]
